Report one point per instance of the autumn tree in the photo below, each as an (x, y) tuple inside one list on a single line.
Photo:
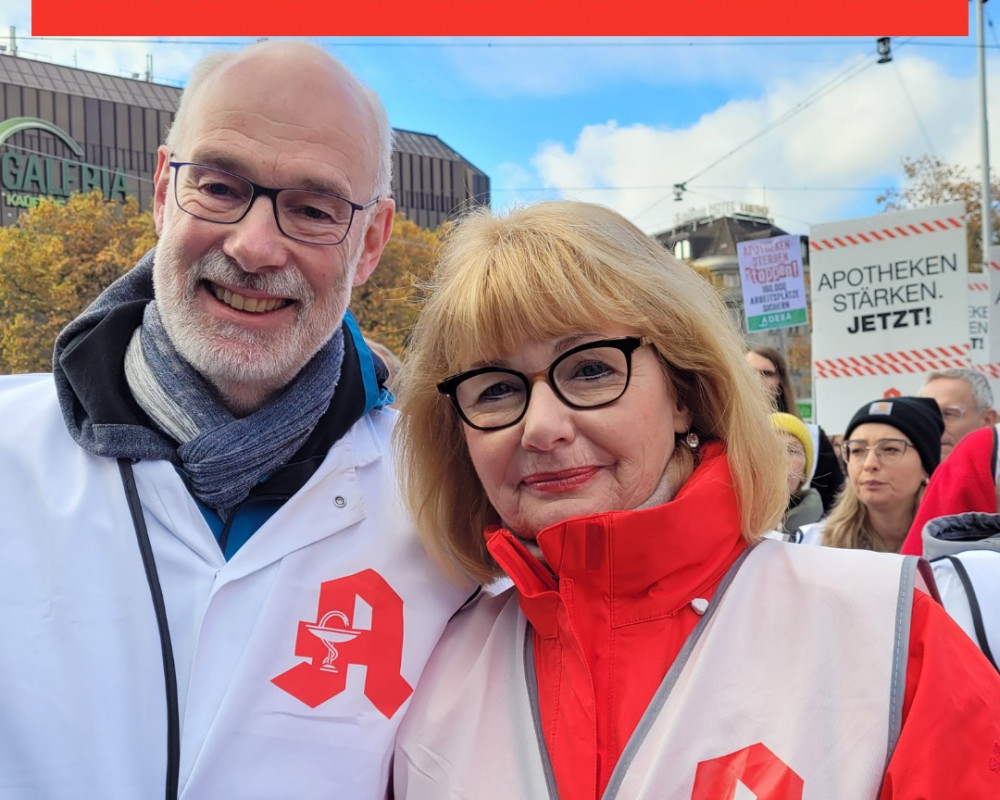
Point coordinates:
[(932, 181), (714, 277), (386, 306), (58, 258), (53, 262)]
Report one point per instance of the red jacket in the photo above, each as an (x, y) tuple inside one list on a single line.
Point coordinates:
[(962, 482), (614, 610)]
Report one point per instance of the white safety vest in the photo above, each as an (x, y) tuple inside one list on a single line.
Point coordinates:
[(295, 659), (982, 568), (791, 686)]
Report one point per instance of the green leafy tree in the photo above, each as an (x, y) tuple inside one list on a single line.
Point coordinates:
[(932, 181), (387, 305), (54, 262)]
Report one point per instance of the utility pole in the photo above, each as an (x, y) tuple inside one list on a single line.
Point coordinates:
[(987, 204)]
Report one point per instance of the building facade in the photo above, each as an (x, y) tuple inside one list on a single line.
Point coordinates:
[(707, 240), (66, 130), (431, 182)]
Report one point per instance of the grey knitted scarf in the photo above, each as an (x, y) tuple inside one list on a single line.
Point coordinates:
[(224, 456)]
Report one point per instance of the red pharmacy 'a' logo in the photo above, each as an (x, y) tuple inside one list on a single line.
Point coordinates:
[(754, 771), (359, 621)]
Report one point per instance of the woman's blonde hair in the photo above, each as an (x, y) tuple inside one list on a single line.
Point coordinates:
[(848, 525), (548, 270)]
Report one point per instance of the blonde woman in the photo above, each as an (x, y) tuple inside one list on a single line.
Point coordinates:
[(891, 448), (577, 416)]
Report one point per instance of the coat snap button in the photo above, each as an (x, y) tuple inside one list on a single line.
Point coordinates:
[(339, 501)]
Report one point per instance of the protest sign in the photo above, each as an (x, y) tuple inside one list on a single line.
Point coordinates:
[(988, 361), (980, 301), (890, 304), (774, 294), (983, 351)]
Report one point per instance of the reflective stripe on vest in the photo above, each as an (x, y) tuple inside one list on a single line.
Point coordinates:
[(791, 686)]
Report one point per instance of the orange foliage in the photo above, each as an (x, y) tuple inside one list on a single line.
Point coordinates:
[(386, 306), (932, 181), (56, 260)]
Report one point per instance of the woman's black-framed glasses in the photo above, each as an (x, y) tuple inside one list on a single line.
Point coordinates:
[(216, 195), (588, 376)]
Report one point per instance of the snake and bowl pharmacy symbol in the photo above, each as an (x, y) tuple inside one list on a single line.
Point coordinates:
[(331, 635)]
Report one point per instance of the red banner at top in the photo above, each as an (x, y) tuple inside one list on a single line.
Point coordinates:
[(500, 18)]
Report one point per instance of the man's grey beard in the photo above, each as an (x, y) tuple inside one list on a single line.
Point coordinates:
[(227, 354)]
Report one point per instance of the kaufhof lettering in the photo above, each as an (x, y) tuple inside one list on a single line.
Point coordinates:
[(28, 200)]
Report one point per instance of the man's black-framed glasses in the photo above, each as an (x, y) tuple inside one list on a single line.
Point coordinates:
[(588, 376), (217, 195)]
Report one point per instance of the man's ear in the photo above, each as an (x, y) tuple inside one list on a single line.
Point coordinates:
[(376, 235), (991, 416), (160, 180)]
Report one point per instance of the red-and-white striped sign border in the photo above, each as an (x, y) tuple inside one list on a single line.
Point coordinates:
[(979, 287), (989, 370), (886, 234), (902, 362)]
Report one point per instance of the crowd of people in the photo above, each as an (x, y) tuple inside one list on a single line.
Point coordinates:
[(576, 543), (922, 478)]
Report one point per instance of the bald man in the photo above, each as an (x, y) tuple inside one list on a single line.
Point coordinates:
[(208, 587)]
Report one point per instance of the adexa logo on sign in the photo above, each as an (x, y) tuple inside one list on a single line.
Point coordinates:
[(26, 177)]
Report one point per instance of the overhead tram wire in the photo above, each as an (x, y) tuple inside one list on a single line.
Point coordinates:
[(778, 213), (834, 83), (662, 187), (563, 191), (916, 112), (508, 42), (853, 70)]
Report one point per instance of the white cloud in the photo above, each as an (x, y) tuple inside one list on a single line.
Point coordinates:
[(854, 136), (571, 66), (516, 181)]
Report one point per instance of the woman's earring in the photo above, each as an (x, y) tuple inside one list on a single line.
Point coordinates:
[(692, 440)]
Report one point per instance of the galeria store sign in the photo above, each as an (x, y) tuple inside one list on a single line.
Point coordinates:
[(27, 177)]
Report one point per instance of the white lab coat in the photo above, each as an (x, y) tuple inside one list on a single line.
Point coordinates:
[(82, 699)]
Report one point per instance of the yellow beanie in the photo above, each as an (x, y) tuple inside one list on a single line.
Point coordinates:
[(797, 428)]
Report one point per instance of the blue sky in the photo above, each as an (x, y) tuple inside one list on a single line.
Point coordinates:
[(813, 129)]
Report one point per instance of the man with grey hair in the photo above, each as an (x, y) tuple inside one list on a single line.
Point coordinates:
[(965, 400), (208, 588)]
